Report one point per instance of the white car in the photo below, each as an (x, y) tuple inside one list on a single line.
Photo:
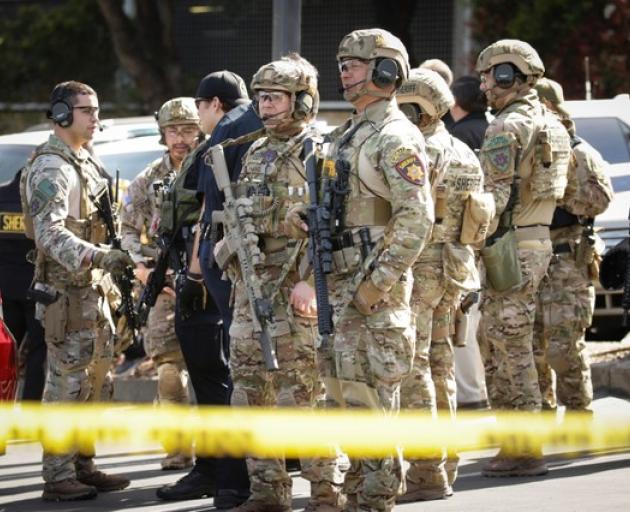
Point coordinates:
[(129, 150), (605, 124)]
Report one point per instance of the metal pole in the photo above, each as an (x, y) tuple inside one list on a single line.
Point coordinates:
[(287, 27)]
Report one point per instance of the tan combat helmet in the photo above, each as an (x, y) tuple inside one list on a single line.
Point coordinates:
[(176, 111), (551, 91), (374, 45), (428, 90), (513, 51), (295, 75)]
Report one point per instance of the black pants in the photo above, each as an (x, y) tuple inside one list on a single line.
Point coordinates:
[(206, 353), (19, 316)]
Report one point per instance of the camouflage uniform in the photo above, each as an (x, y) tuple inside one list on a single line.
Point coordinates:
[(141, 213), (445, 269), (273, 180), (389, 196), (78, 325), (567, 295), (525, 144), (141, 220)]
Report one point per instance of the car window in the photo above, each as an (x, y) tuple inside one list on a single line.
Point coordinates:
[(12, 158), (608, 135), (130, 164)]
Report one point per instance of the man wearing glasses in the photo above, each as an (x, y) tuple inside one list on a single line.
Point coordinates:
[(60, 190), (179, 128)]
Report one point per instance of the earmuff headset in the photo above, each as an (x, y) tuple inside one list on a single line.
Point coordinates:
[(385, 73), (412, 111), (505, 74), (303, 105), (61, 111)]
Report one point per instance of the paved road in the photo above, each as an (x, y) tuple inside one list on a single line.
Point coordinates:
[(595, 482)]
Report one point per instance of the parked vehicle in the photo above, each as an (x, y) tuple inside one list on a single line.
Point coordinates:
[(605, 124)]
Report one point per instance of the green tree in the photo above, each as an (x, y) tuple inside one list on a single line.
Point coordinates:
[(564, 32), (41, 47)]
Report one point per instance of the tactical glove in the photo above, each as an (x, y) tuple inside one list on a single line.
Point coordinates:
[(294, 222), (367, 297), (192, 296), (113, 261)]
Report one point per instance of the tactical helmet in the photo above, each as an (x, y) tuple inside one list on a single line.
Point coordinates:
[(375, 43), (178, 111), (519, 53), (551, 91), (295, 75), (427, 89)]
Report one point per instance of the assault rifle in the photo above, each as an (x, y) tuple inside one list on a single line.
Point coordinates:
[(319, 243), (125, 281), (157, 279), (239, 240)]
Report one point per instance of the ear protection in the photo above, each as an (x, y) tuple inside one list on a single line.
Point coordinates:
[(303, 105), (385, 73), (412, 111), (60, 109), (505, 74)]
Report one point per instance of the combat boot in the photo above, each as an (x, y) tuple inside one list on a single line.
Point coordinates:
[(104, 482), (68, 490), (424, 493), (176, 461), (259, 506), (504, 466)]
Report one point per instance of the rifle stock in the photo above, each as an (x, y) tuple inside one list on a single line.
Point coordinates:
[(239, 242)]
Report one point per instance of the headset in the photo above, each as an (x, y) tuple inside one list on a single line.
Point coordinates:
[(412, 111), (505, 74), (304, 104), (61, 110), (385, 73)]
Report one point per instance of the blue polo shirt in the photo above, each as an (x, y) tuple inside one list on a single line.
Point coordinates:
[(235, 123)]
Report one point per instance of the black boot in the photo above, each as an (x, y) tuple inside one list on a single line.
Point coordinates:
[(192, 486)]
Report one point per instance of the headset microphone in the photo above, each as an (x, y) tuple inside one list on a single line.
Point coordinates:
[(343, 89), (271, 116)]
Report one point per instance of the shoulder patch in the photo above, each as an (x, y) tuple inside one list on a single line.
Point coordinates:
[(46, 189), (410, 167)]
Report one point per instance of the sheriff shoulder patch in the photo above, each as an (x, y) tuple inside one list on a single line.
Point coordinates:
[(411, 169)]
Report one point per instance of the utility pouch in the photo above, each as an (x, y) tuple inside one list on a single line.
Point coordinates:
[(503, 267), (56, 319), (462, 324), (478, 214)]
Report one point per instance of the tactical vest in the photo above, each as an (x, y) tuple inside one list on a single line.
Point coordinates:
[(273, 179), (460, 176), (550, 159), (367, 203), (179, 206), (89, 227)]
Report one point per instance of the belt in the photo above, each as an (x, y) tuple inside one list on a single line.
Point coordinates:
[(534, 232), (562, 248)]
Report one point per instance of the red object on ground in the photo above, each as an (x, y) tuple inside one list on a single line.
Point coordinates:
[(8, 361)]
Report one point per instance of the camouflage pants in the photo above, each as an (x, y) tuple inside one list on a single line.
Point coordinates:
[(295, 384), (80, 353), (431, 383), (565, 309), (163, 346), (366, 364), (508, 332)]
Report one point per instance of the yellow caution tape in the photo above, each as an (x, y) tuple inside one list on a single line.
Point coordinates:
[(298, 432)]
